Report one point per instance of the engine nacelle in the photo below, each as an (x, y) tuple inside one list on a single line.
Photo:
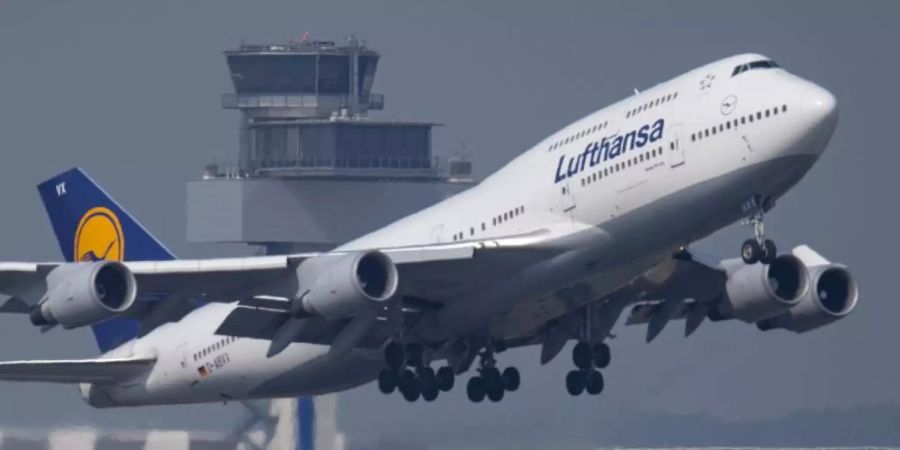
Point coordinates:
[(760, 291), (82, 294), (345, 285), (833, 295)]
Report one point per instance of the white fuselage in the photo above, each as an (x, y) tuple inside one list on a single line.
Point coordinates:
[(618, 190)]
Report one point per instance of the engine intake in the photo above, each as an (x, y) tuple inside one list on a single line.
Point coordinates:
[(834, 297), (756, 292), (345, 285), (81, 294)]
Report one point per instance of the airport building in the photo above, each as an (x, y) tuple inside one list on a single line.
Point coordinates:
[(314, 170)]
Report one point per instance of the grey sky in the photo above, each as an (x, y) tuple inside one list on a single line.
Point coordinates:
[(130, 91)]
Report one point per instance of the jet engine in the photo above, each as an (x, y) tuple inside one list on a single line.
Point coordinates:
[(834, 295), (344, 285), (82, 294), (760, 291)]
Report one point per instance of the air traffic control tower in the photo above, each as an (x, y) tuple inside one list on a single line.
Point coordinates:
[(314, 170)]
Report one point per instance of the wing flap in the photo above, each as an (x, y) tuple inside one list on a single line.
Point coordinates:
[(101, 371)]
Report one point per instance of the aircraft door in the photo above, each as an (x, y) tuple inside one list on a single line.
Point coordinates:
[(675, 148), (567, 198)]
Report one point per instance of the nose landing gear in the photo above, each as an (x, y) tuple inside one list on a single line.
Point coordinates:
[(758, 249)]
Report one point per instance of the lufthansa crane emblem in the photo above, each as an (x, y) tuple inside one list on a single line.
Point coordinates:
[(728, 105), (99, 236)]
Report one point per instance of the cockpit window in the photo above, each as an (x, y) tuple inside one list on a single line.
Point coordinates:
[(764, 64)]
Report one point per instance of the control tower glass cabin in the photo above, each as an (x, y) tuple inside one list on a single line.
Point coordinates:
[(313, 169)]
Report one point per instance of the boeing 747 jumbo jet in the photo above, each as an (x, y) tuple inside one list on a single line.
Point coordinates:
[(592, 221)]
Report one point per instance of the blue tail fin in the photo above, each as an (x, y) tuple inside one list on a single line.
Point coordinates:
[(89, 226)]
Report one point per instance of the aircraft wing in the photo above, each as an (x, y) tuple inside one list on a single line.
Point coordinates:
[(435, 272), (76, 370), (677, 289)]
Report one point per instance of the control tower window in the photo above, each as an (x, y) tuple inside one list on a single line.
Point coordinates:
[(273, 74), (334, 74)]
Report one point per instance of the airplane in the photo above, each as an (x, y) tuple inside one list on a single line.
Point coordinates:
[(593, 220)]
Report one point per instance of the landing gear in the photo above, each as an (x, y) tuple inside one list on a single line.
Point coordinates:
[(589, 381), (475, 389), (409, 386), (445, 379), (587, 359), (758, 249), (490, 382), (408, 373), (387, 381)]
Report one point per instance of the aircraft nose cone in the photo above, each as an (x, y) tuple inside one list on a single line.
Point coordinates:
[(821, 106)]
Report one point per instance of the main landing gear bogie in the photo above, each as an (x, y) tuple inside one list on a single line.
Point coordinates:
[(492, 384), (586, 378), (408, 373)]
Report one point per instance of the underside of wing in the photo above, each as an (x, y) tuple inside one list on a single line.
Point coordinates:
[(76, 370)]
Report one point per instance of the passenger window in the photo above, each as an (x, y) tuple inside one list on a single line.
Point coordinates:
[(693, 137), (706, 132), (751, 118), (713, 130), (743, 120), (728, 125), (758, 116), (774, 111), (767, 113), (721, 128), (783, 108)]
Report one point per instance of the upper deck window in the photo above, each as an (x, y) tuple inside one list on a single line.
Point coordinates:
[(764, 64)]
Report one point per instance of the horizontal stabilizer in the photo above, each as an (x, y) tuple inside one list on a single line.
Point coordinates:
[(99, 371)]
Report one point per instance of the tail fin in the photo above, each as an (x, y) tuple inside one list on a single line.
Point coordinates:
[(89, 226)]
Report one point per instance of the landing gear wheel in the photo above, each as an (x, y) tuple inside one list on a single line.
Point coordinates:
[(426, 379), (491, 376), (387, 381), (445, 379), (495, 392), (751, 251), (414, 355), (769, 252), (409, 386), (602, 355), (394, 355), (594, 383), (511, 379), (581, 355), (575, 382), (475, 389), (430, 394)]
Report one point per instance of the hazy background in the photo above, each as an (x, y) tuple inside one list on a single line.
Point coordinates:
[(130, 91)]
